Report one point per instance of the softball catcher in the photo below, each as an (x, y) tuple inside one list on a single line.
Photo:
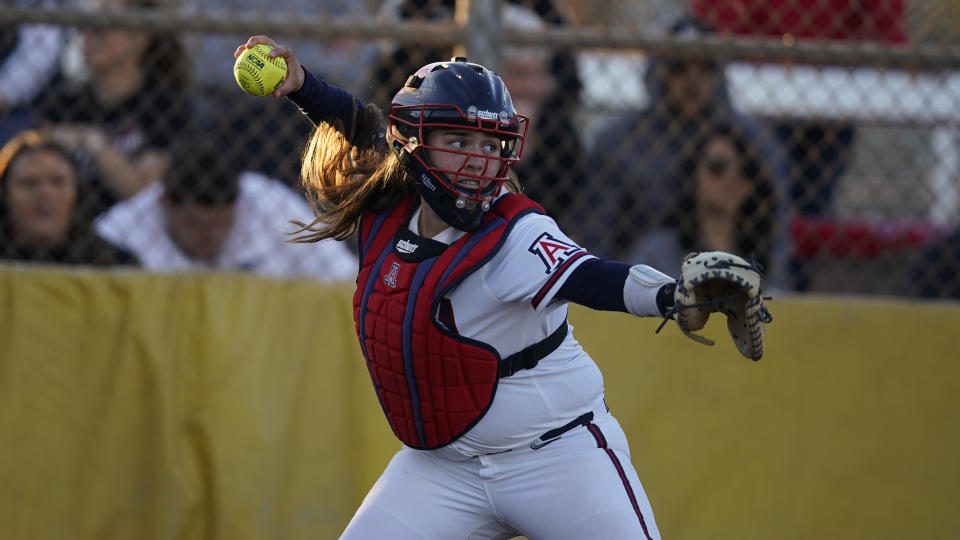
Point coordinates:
[(461, 314)]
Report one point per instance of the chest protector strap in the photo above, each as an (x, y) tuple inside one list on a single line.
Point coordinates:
[(530, 357), (433, 384)]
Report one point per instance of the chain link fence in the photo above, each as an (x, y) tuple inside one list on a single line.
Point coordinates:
[(819, 136)]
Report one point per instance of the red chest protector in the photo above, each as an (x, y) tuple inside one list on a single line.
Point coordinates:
[(433, 384)]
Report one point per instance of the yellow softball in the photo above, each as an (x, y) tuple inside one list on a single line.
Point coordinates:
[(257, 73)]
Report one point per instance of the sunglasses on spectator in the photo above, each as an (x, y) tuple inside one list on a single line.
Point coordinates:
[(680, 67), (717, 165)]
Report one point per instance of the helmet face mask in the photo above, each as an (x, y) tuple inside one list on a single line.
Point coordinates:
[(457, 97), (414, 124)]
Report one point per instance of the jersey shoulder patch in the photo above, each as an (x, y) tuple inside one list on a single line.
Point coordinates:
[(552, 251)]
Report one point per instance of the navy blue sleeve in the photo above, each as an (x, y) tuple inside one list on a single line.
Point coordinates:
[(324, 102), (597, 284)]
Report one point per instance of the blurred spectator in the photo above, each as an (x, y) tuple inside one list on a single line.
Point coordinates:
[(29, 56), (936, 273), (263, 135), (395, 64), (238, 122), (634, 156), (42, 217), (727, 202), (121, 120), (818, 152), (208, 215), (544, 86)]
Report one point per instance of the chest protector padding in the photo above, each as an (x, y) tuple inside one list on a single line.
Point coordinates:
[(433, 384)]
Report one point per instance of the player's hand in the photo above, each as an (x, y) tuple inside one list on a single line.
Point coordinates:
[(295, 76)]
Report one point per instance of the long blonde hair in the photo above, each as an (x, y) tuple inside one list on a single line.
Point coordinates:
[(343, 180)]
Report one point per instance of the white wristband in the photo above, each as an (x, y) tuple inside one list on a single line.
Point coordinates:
[(641, 288)]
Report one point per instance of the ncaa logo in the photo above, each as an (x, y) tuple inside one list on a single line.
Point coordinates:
[(391, 278)]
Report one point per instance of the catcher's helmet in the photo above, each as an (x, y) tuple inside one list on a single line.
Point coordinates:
[(462, 95)]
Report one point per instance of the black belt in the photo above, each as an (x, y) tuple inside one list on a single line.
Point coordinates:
[(555, 434), (530, 356)]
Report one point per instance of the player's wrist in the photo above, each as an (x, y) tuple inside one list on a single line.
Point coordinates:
[(643, 291), (665, 298), (308, 83)]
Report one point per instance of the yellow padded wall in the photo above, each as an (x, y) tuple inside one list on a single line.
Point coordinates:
[(846, 428), (234, 407), (187, 407)]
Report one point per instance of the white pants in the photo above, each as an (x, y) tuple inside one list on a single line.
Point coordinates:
[(581, 486)]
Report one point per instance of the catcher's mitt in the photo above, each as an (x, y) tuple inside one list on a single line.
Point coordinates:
[(718, 281)]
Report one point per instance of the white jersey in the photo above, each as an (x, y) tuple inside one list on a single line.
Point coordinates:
[(256, 243), (509, 303), (548, 460)]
